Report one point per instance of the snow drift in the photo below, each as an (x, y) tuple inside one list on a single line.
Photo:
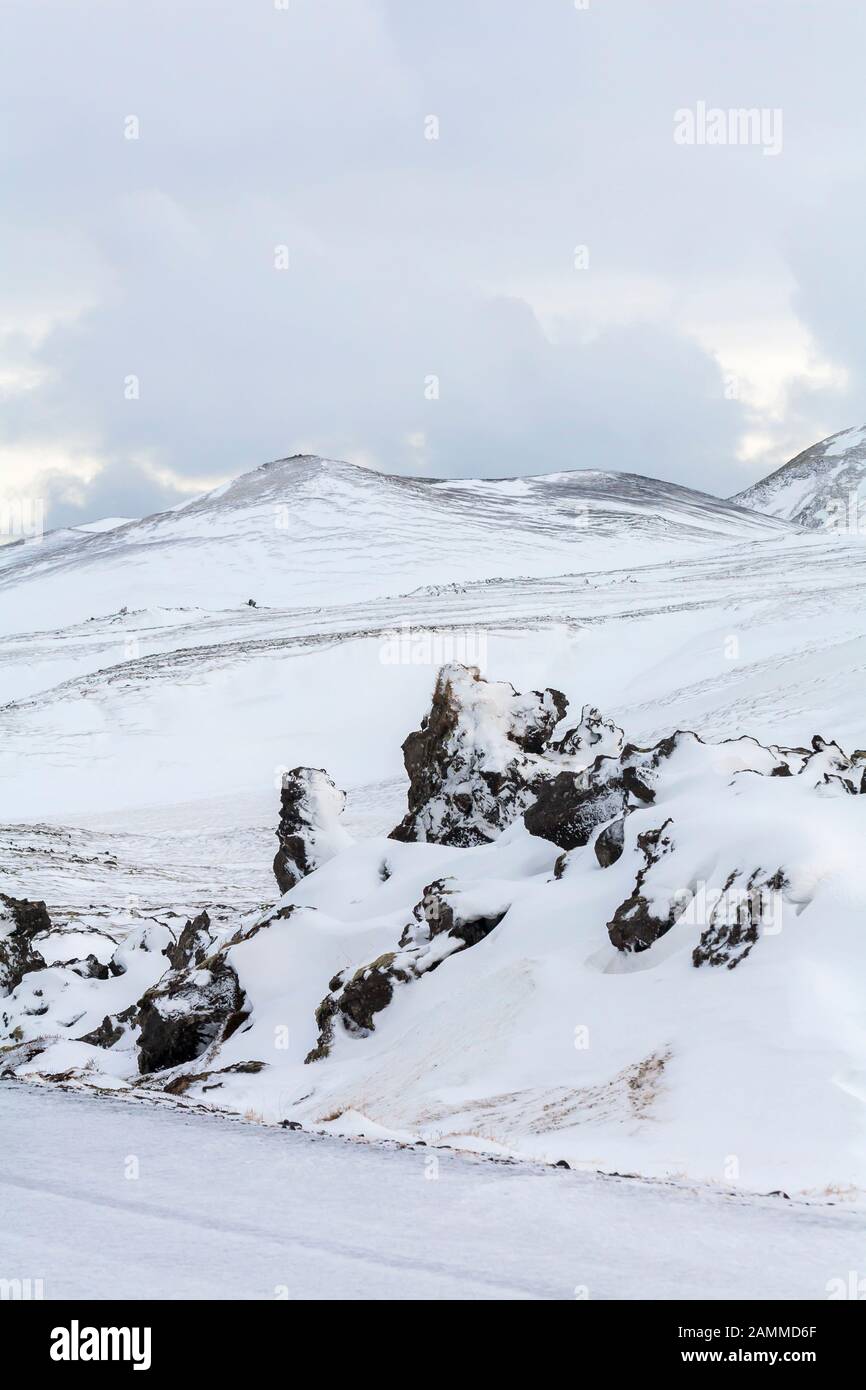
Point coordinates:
[(627, 958)]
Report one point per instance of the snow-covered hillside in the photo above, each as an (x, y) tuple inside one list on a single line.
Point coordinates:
[(570, 949), (823, 487), (314, 531), (150, 717)]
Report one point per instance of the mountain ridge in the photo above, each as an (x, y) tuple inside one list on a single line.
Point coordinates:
[(307, 530), (821, 488)]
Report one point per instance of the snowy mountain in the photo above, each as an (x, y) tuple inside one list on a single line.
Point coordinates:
[(823, 487), (308, 530), (432, 941)]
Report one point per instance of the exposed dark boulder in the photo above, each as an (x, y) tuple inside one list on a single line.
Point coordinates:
[(111, 1029), (185, 1012), (569, 809), (477, 759), (89, 968), (355, 998), (636, 924), (20, 921), (445, 907), (571, 806), (193, 945), (309, 831), (446, 921), (609, 843)]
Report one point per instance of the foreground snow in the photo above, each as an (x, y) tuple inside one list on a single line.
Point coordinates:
[(221, 1209)]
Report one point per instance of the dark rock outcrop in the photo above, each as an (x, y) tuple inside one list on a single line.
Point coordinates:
[(737, 918), (444, 923), (636, 925), (110, 1031), (193, 945), (609, 843), (185, 1012), (571, 806), (569, 809), (476, 761), (20, 921), (309, 831), (89, 968), (198, 1001), (593, 737)]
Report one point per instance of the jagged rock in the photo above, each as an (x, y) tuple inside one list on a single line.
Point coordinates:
[(89, 968), (448, 919), (309, 831), (195, 1002), (247, 932), (193, 945), (827, 764), (477, 759), (571, 806), (466, 913), (355, 998), (731, 917), (20, 921), (111, 1030), (609, 843), (636, 925), (736, 918), (186, 1011), (567, 810), (594, 736)]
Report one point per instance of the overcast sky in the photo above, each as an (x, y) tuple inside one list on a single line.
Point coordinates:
[(587, 291)]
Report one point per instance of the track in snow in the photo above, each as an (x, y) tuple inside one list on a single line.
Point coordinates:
[(223, 1209)]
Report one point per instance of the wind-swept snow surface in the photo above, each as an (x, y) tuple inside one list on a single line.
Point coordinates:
[(103, 1199)]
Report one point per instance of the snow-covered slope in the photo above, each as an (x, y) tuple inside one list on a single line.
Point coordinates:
[(823, 487), (639, 958), (307, 530), (149, 716), (105, 523)]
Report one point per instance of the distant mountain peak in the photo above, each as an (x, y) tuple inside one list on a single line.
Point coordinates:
[(822, 488)]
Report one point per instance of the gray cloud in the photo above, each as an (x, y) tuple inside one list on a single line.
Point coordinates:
[(408, 257)]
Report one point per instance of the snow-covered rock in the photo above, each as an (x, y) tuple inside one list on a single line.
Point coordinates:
[(309, 831), (476, 761), (593, 736), (20, 922), (545, 984), (449, 918)]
